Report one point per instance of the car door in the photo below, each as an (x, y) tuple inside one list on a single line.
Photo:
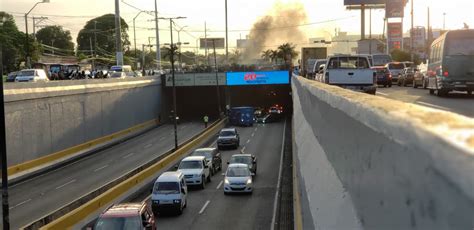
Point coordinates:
[(207, 171)]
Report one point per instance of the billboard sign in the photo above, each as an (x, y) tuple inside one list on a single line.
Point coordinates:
[(394, 8), (360, 2), (197, 79), (220, 43), (258, 78), (394, 35)]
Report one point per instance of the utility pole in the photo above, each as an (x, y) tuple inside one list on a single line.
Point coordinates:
[(226, 37), (362, 21), (444, 21), (370, 31), (205, 39), (217, 79), (135, 38), (27, 59), (118, 34), (35, 24), (3, 143), (412, 48), (172, 48), (157, 34), (429, 35), (92, 53)]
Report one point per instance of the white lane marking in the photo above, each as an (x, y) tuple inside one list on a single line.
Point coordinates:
[(219, 185), (204, 207), (128, 155), (256, 128), (253, 134), (243, 149), (431, 105), (148, 146), (103, 167), (19, 204), (279, 179), (162, 138), (383, 94), (248, 141), (70, 182)]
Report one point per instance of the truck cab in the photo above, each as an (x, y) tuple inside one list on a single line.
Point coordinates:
[(351, 72)]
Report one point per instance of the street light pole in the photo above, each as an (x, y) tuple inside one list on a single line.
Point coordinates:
[(135, 38), (226, 37), (27, 56), (118, 34), (157, 33), (172, 47), (179, 43), (217, 79)]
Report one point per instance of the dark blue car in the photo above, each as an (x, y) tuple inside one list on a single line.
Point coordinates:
[(242, 116)]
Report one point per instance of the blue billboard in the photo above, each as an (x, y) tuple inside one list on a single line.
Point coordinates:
[(258, 78)]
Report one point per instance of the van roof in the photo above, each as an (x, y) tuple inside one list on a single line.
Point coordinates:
[(204, 149), (169, 176), (194, 158)]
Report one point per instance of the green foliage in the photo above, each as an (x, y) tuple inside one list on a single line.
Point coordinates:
[(57, 37), (400, 55), (13, 44), (104, 29)]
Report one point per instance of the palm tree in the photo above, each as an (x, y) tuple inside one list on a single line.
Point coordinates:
[(266, 55), (287, 52), (274, 55)]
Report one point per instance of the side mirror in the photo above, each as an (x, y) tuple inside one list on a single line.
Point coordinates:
[(206, 166), (176, 166)]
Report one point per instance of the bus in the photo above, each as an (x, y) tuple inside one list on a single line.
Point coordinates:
[(451, 63), (242, 116)]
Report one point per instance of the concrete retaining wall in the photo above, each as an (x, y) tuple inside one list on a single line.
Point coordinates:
[(43, 118), (366, 162)]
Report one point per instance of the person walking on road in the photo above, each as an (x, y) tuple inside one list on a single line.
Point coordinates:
[(206, 120)]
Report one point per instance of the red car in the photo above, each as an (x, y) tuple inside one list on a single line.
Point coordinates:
[(128, 216), (383, 76)]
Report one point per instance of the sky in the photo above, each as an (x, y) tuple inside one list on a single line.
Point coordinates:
[(324, 16)]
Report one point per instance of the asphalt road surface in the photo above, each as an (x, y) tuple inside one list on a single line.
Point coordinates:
[(42, 195), (456, 102), (211, 209)]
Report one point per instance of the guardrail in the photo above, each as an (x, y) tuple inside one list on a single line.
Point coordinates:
[(365, 161), (134, 179)]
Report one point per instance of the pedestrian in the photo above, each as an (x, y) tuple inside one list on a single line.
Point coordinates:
[(206, 120)]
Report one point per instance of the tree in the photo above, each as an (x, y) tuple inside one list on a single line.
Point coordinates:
[(274, 55), (13, 44), (266, 55), (287, 52), (102, 28), (56, 37), (400, 55)]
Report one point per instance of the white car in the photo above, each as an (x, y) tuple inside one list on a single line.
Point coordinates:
[(31, 75), (238, 179), (195, 170)]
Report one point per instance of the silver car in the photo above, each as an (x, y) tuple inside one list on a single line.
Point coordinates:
[(238, 179)]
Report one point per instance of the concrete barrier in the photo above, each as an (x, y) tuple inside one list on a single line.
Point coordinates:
[(85, 213), (46, 118), (366, 162)]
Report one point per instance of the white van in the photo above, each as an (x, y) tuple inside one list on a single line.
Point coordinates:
[(121, 71), (169, 193)]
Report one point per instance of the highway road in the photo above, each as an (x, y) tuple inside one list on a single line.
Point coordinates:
[(211, 209), (456, 102), (42, 195)]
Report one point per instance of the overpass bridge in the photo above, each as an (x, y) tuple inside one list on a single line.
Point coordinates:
[(340, 161)]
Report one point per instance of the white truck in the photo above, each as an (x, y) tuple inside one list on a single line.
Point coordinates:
[(351, 72)]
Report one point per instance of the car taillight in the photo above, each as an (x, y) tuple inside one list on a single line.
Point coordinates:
[(446, 73), (390, 76)]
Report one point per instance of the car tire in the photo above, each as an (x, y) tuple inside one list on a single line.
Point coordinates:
[(390, 84), (432, 91), (441, 93), (226, 193), (180, 210), (209, 178), (414, 84), (423, 83), (203, 182)]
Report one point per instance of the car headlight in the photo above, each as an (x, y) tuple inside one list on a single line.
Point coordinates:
[(197, 175), (249, 181), (177, 201), (156, 201), (226, 181)]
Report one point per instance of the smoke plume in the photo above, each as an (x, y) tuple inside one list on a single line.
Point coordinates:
[(278, 27)]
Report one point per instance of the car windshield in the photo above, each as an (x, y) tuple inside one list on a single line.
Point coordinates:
[(116, 74), (190, 165), (237, 172), (118, 223), (206, 154), (226, 133), (241, 159), (166, 187), (348, 63), (26, 73)]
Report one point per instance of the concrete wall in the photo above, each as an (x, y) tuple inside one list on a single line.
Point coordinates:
[(43, 118), (365, 162)]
